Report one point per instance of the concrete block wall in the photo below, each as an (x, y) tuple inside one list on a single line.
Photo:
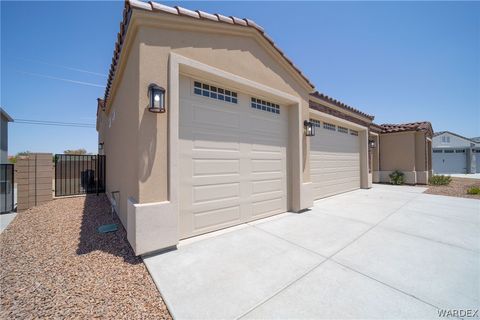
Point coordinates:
[(34, 180)]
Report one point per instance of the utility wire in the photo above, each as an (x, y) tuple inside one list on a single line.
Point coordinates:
[(54, 123)]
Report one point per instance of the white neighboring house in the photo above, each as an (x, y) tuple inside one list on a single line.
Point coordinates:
[(4, 120), (453, 153)]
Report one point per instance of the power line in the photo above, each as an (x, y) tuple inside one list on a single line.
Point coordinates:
[(54, 123)]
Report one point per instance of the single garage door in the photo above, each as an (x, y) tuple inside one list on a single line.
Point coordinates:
[(334, 159), (233, 165), (449, 161)]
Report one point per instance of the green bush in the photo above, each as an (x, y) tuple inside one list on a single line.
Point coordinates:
[(473, 190), (397, 177), (440, 180)]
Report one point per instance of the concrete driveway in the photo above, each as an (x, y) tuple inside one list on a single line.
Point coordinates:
[(387, 252)]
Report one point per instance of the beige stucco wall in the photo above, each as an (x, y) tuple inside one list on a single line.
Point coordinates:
[(408, 152), (121, 140), (240, 55), (397, 151), (420, 151)]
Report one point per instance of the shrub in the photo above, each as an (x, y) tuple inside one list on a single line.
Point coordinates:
[(473, 190), (440, 180), (397, 177)]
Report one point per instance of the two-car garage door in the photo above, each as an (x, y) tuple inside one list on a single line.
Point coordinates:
[(233, 166), (334, 159)]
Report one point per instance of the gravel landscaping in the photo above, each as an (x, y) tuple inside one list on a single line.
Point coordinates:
[(54, 264), (457, 188)]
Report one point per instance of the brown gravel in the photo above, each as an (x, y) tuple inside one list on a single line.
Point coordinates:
[(457, 188), (54, 264)]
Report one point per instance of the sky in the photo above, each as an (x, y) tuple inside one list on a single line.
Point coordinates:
[(401, 62)]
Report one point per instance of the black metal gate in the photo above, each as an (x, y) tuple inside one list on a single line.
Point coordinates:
[(6, 188), (79, 174)]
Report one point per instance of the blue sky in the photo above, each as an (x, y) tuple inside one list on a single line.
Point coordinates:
[(401, 62)]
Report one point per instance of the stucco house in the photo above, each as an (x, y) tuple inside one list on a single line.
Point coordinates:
[(4, 120), (206, 124), (404, 147), (453, 153)]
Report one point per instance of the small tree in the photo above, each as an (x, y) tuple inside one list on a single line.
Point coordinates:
[(80, 151), (13, 159)]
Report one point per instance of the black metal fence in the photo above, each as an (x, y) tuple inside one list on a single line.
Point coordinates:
[(7, 203), (79, 174)]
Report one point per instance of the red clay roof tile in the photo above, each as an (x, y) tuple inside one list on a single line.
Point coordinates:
[(413, 126), (342, 105)]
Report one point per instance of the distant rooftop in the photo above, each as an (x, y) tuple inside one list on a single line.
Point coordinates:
[(6, 115)]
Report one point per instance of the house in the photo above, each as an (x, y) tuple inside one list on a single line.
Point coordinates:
[(4, 120), (453, 153), (207, 124), (404, 147)]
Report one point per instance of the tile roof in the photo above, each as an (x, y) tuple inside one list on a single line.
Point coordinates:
[(200, 15), (413, 126), (375, 127), (342, 105)]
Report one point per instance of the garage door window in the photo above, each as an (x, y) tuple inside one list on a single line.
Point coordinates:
[(437, 151), (214, 92), (460, 151), (329, 126), (316, 123), (353, 132), (342, 129), (265, 106), (448, 151)]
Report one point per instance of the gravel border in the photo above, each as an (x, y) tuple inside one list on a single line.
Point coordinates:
[(457, 188), (54, 264)]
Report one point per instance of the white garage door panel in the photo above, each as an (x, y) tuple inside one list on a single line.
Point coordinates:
[(334, 162), (449, 162), (232, 162)]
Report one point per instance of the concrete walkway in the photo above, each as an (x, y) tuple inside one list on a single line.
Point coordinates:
[(464, 175), (387, 252), (5, 220)]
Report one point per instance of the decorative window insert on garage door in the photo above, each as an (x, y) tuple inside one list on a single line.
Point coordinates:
[(214, 92), (233, 161), (334, 160)]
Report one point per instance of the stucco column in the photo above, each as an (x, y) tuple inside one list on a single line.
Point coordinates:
[(365, 182)]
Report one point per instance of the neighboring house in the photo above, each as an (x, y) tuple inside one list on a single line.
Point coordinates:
[(453, 153), (230, 145), (4, 120), (404, 147)]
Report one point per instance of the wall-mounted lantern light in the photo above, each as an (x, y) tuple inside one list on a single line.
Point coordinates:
[(372, 144), (100, 146), (309, 128), (157, 98)]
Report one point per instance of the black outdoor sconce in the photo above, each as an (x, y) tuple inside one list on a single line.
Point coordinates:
[(157, 98), (309, 128), (100, 146), (372, 144)]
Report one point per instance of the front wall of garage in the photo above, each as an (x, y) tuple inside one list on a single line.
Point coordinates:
[(239, 55)]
